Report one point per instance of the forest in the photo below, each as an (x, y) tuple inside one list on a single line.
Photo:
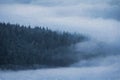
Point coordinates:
[(35, 47)]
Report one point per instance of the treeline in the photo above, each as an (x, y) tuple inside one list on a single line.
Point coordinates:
[(26, 46)]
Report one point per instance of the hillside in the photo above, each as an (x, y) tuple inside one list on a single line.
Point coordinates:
[(26, 47)]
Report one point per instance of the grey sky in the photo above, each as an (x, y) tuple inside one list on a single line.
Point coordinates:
[(98, 18)]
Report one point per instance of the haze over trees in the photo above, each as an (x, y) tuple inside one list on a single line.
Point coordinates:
[(25, 46)]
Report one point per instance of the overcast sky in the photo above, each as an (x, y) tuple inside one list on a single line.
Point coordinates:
[(98, 18)]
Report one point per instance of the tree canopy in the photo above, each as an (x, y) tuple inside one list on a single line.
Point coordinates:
[(26, 46)]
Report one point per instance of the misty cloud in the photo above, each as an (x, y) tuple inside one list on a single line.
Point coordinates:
[(60, 2), (13, 1), (98, 18), (108, 70)]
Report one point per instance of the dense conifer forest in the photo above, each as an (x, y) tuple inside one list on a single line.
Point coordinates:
[(24, 46)]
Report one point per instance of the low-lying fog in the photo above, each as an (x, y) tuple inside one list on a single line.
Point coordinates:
[(103, 66)]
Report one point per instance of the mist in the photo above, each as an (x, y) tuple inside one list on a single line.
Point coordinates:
[(99, 69), (99, 20)]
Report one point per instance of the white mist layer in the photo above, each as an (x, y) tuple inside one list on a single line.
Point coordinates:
[(96, 68), (99, 19), (108, 69)]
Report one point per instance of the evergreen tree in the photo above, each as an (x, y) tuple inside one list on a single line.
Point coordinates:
[(26, 46)]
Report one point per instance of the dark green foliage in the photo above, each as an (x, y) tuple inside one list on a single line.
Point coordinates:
[(26, 46)]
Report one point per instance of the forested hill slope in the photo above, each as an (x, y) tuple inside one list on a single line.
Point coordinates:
[(26, 46)]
